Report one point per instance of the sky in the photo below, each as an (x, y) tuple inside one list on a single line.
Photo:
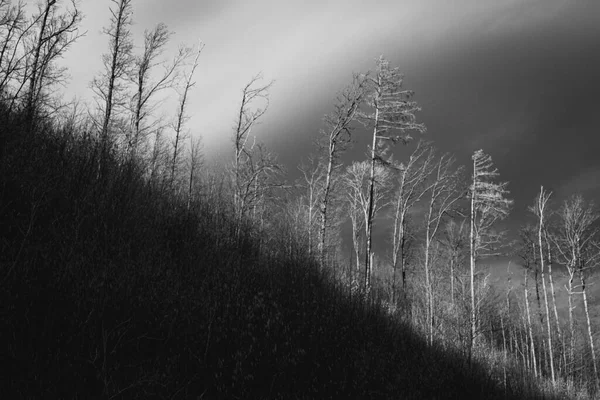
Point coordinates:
[(519, 79)]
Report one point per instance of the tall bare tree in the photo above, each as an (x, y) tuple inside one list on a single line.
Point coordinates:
[(411, 177), (182, 117), (488, 205), (526, 252), (335, 139), (549, 253), (540, 210), (14, 30), (392, 117), (357, 182), (158, 158), (147, 87), (455, 240), (258, 176), (29, 50), (194, 165), (109, 87), (311, 181), (55, 34), (248, 116), (575, 243), (445, 191)]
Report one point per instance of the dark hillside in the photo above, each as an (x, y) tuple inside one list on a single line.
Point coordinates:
[(111, 288)]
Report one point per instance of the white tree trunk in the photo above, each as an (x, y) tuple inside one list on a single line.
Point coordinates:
[(529, 328), (370, 211), (541, 248), (472, 245), (589, 328)]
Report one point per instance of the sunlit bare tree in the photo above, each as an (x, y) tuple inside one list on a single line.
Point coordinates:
[(410, 177), (391, 115), (488, 205), (576, 243), (334, 140), (248, 116), (360, 198), (445, 191)]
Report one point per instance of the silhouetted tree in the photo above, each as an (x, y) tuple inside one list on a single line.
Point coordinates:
[(109, 87), (182, 117), (243, 169), (55, 34), (146, 88)]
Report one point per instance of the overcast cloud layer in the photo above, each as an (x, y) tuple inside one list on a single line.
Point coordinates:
[(518, 78)]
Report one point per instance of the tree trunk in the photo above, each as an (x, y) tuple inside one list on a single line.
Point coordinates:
[(428, 288), (397, 246), (504, 349), (553, 293), (526, 352), (589, 328), (472, 244), (33, 78), (571, 322), (370, 211), (529, 328), (325, 204), (452, 261), (541, 247)]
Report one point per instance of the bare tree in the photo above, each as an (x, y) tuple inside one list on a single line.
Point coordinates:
[(15, 30), (455, 240), (357, 184), (182, 117), (248, 116), (488, 205), (146, 88), (159, 157), (312, 180), (109, 87), (194, 165), (335, 139), (258, 176), (526, 252), (30, 49), (392, 118), (410, 178), (540, 209), (576, 244), (55, 34), (549, 249), (445, 191)]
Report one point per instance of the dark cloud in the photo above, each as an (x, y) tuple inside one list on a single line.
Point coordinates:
[(527, 93), (529, 97)]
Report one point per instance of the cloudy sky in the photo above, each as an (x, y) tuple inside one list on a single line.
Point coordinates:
[(517, 78)]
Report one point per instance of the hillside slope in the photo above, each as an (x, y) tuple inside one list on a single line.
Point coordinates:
[(111, 288)]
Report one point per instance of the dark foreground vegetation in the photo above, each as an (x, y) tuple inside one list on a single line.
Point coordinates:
[(113, 287)]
